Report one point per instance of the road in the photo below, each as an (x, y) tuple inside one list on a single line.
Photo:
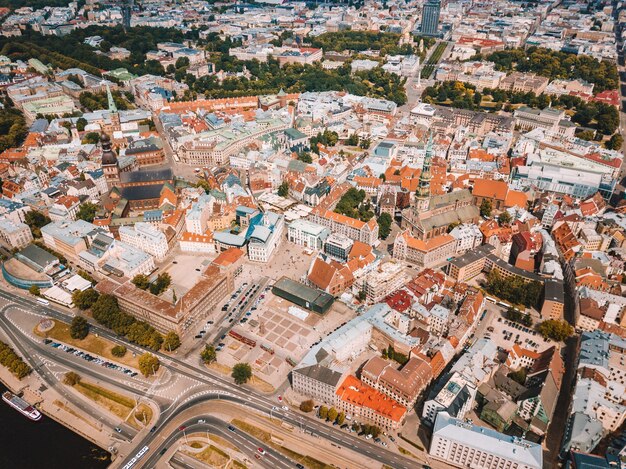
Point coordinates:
[(215, 386), (245, 443)]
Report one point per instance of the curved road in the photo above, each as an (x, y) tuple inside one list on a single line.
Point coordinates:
[(242, 395)]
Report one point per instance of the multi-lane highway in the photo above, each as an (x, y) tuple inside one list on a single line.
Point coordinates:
[(214, 386)]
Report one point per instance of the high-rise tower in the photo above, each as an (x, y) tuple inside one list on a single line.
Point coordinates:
[(430, 18)]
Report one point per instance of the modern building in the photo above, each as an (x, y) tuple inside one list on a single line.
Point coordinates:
[(430, 18), (265, 237), (463, 444), (307, 234), (338, 246), (309, 298)]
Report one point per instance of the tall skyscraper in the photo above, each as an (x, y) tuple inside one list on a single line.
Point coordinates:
[(430, 17)]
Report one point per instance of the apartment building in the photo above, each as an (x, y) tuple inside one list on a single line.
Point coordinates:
[(430, 253), (307, 234), (382, 281), (363, 403), (357, 230), (404, 385), (316, 381), (146, 237), (14, 235), (463, 444)]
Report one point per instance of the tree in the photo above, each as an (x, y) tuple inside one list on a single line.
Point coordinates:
[(332, 414), (555, 330), (85, 299), (87, 212), (305, 157), (208, 355), (71, 378), (182, 62), (118, 351), (242, 372), (161, 284), (615, 142), (148, 364), (35, 221), (384, 225), (306, 406), (91, 137), (81, 123), (353, 140), (375, 431), (504, 218), (283, 189), (34, 290), (341, 418), (171, 342), (485, 208), (361, 295), (323, 412), (141, 281), (79, 329)]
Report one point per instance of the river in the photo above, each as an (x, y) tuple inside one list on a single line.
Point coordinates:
[(45, 444)]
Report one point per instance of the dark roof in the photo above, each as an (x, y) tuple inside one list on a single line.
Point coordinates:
[(37, 256), (109, 158), (320, 373), (153, 175), (472, 256), (153, 191), (554, 290)]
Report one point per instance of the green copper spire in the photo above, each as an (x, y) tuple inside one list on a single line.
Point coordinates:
[(423, 189)]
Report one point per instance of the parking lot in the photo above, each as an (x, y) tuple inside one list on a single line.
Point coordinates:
[(506, 333)]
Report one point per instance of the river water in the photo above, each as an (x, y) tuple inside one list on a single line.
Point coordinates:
[(46, 444)]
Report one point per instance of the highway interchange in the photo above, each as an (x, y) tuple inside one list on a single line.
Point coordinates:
[(209, 387)]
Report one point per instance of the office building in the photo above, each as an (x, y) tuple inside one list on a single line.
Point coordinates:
[(430, 18)]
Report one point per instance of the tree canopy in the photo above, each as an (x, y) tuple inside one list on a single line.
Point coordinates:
[(555, 330), (352, 204), (79, 329), (148, 364), (513, 289), (242, 372)]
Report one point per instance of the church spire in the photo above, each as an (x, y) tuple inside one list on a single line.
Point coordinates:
[(423, 188)]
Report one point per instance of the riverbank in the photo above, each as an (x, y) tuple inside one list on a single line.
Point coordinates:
[(50, 442)]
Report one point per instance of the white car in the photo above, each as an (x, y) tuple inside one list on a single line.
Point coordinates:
[(285, 407)]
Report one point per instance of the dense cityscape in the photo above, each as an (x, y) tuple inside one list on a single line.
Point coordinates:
[(281, 234)]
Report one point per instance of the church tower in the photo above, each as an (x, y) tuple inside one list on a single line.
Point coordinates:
[(109, 163), (423, 189)]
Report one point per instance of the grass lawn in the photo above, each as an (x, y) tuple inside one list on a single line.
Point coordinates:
[(405, 452), (91, 344), (215, 457), (116, 403), (143, 414)]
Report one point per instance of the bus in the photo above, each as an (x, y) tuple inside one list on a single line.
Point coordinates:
[(136, 458), (43, 302)]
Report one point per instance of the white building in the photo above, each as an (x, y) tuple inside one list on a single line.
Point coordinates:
[(307, 234), (199, 213), (464, 444), (468, 236), (147, 238), (266, 237)]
